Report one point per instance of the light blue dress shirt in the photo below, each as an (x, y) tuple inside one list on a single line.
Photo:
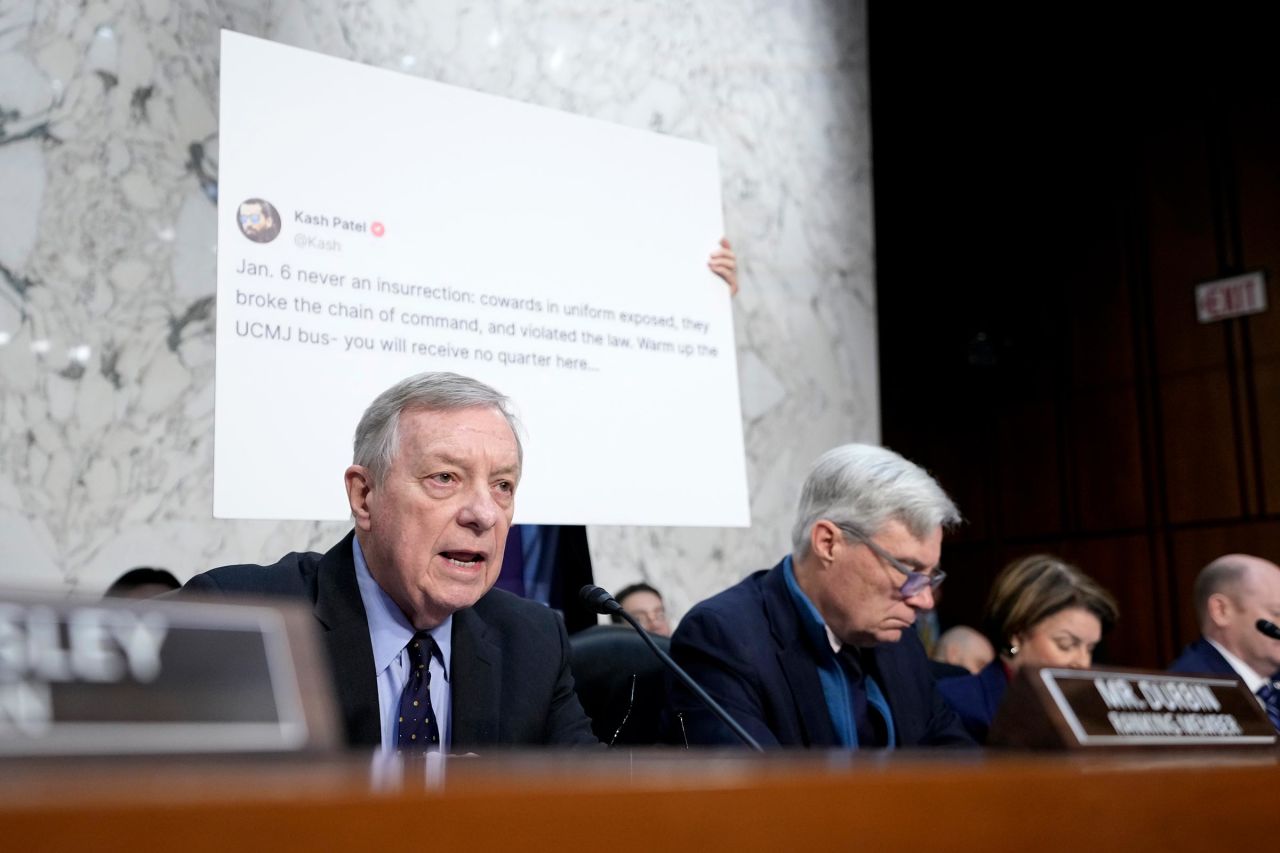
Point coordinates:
[(835, 684), (390, 632)]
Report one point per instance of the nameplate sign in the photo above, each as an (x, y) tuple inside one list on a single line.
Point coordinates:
[(136, 677), (1069, 708)]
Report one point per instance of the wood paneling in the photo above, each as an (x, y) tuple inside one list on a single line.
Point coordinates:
[(1200, 447), (1124, 565), (1195, 548), (1185, 800), (1255, 134), (1106, 460), (1266, 378), (1030, 469), (1101, 314), (1103, 421), (1179, 216)]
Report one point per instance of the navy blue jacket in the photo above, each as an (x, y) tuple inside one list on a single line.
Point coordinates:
[(1202, 657), (747, 648), (509, 673), (976, 698)]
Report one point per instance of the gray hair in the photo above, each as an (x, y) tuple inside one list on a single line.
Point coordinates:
[(378, 433), (865, 486)]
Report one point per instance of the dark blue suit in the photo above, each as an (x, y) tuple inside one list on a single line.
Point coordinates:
[(1201, 657), (510, 662), (747, 648), (976, 698)]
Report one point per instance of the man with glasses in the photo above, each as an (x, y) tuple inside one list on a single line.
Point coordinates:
[(818, 651)]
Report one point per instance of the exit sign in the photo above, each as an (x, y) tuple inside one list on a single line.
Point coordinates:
[(1231, 297)]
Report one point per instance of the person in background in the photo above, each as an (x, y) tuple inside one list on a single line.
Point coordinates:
[(1231, 594), (644, 603), (549, 563), (964, 647), (142, 582), (1042, 611), (820, 650)]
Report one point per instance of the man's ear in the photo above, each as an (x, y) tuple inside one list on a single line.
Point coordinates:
[(1218, 609), (823, 538), (359, 482)]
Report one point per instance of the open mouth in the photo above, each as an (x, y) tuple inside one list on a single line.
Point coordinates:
[(463, 559)]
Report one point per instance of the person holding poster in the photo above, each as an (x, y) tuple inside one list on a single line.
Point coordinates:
[(550, 563), (407, 596)]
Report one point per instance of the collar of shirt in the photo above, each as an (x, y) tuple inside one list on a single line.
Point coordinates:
[(1250, 675), (809, 615), (389, 629), (835, 685), (832, 639), (810, 619)]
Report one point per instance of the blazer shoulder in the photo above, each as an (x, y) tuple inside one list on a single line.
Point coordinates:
[(292, 575), (505, 611), (746, 596), (1200, 656), (738, 610)]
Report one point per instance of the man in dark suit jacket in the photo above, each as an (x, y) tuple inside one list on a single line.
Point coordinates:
[(432, 492), (1231, 594), (819, 651)]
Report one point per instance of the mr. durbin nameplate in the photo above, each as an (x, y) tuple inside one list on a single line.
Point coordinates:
[(1071, 708), (119, 677)]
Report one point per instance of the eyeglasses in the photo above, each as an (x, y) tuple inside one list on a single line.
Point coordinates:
[(916, 583), (246, 218)]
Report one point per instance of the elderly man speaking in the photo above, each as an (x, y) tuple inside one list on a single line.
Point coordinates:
[(819, 650), (425, 655)]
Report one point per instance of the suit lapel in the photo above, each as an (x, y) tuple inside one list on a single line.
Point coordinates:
[(796, 658), (896, 674), (882, 665), (476, 684), (340, 612)]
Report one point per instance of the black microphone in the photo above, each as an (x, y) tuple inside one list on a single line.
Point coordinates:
[(602, 602), (1269, 628)]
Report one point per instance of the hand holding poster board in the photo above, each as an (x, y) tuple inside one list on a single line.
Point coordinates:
[(374, 225)]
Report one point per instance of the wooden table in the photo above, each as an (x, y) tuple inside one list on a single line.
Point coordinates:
[(651, 801)]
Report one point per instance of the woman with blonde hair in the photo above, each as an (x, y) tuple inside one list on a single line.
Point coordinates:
[(1042, 611)]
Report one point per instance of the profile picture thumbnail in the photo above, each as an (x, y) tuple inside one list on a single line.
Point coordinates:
[(258, 220)]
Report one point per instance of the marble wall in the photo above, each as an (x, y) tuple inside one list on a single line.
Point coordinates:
[(108, 183)]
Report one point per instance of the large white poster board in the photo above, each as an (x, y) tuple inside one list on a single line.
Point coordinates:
[(374, 225)]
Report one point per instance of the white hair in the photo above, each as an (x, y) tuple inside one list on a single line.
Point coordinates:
[(378, 433), (865, 486)]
